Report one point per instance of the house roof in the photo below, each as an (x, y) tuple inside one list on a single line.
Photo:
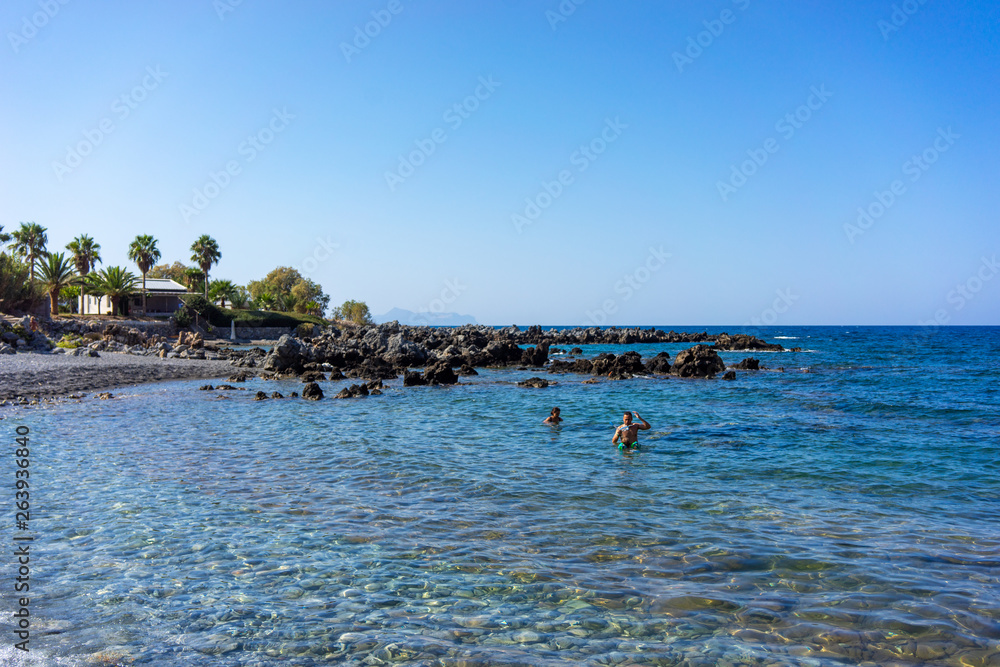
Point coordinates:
[(163, 285)]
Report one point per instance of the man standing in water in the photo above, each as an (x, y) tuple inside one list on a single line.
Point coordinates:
[(626, 435)]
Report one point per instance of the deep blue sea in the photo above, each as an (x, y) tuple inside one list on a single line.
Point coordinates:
[(840, 508)]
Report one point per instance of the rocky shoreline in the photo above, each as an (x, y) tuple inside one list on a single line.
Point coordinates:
[(420, 355)]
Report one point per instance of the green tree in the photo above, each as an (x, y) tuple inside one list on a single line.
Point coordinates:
[(4, 237), (353, 311), (56, 272), (222, 291), (17, 292), (69, 298), (241, 297), (194, 279), (206, 253), (114, 282), (309, 297), (175, 272), (86, 257), (144, 253), (29, 242)]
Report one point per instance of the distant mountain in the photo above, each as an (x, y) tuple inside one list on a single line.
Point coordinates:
[(411, 318)]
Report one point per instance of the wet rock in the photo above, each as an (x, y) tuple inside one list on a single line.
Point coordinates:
[(260, 396), (576, 350), (729, 375), (206, 387), (535, 356), (242, 376), (537, 383), (743, 342), (225, 387), (354, 391), (294, 394), (699, 361), (313, 376), (413, 379), (660, 364), (276, 394), (748, 364), (105, 396), (440, 373), (466, 369), (312, 392)]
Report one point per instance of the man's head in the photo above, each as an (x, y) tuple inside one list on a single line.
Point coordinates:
[(555, 412), (628, 418)]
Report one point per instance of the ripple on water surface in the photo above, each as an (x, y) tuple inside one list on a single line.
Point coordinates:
[(781, 519)]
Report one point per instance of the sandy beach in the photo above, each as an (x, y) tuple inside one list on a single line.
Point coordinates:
[(36, 376)]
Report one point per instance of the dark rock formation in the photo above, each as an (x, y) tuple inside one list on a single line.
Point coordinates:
[(354, 391), (312, 392), (538, 383), (260, 396), (729, 375), (743, 342), (440, 373), (413, 379), (748, 364), (699, 361), (660, 364)]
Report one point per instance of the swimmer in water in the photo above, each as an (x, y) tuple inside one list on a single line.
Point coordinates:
[(626, 435), (553, 418)]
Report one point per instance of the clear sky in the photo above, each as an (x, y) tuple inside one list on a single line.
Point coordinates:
[(638, 162)]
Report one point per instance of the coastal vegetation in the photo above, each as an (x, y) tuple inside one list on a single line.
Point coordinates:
[(282, 298)]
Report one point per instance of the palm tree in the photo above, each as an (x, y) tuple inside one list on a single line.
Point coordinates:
[(29, 242), (56, 272), (4, 238), (145, 254), (86, 256), (114, 282), (240, 297), (223, 290), (265, 301), (206, 253)]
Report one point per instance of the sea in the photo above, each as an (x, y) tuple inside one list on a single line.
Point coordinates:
[(841, 507)]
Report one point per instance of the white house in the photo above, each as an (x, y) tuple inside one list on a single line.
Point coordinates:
[(163, 297)]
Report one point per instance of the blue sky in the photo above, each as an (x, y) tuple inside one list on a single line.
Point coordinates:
[(348, 159)]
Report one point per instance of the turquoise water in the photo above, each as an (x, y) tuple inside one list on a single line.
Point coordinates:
[(844, 511)]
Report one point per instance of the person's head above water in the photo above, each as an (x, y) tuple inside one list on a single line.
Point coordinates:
[(628, 418), (555, 412)]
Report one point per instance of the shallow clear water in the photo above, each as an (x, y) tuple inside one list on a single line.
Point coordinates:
[(845, 515)]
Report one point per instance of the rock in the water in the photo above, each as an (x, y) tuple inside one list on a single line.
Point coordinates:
[(413, 379), (313, 376), (576, 350), (354, 391), (276, 394), (748, 364), (206, 387), (260, 396), (105, 396), (535, 356), (466, 369), (538, 383), (699, 361), (659, 364), (743, 342), (440, 373), (729, 375), (312, 392)]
